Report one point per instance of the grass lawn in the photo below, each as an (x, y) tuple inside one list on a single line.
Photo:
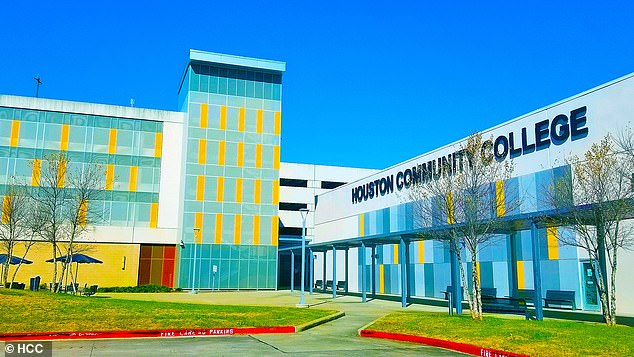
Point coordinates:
[(533, 338), (25, 311)]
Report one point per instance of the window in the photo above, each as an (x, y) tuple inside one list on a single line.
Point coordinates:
[(293, 182), (290, 231), (286, 206), (331, 184)]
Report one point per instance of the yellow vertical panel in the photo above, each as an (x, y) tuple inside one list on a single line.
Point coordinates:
[(256, 230), (277, 129), (37, 172), (421, 252), (257, 190), (204, 115), (218, 235), (395, 253), (198, 225), (276, 157), (553, 244), (520, 275), (220, 189), (451, 219), (202, 151), (381, 279), (63, 145), (239, 190), (237, 229), (478, 271), (240, 154), (275, 230), (109, 176), (276, 192), (158, 144), (154, 215), (221, 152), (361, 225), (61, 174), (499, 198), (241, 116), (200, 188), (112, 141), (15, 132), (134, 174), (223, 117), (259, 121), (83, 212), (258, 155), (6, 209)]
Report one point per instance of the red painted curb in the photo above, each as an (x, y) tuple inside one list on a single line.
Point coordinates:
[(455, 346), (145, 333)]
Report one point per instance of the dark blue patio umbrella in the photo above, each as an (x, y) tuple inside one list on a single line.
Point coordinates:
[(76, 258), (14, 260)]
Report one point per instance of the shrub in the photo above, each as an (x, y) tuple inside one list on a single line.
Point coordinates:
[(137, 289)]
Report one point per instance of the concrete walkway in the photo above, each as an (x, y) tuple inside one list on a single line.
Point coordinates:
[(333, 338)]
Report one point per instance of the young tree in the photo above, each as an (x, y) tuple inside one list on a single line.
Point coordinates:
[(464, 202), (63, 210), (15, 226), (593, 203)]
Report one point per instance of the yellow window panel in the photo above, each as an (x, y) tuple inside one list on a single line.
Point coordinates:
[(520, 275), (276, 192), (276, 157), (239, 190), (240, 154), (258, 155), (112, 142), (204, 115), (83, 212), (198, 227), (259, 121), (64, 137), (395, 253), (202, 151), (499, 198), (158, 145), (15, 133), (134, 174), (257, 190), (421, 252), (275, 230), (200, 188), (218, 235), (220, 189), (241, 116), (61, 174), (553, 243), (6, 209), (277, 129), (256, 230), (109, 176), (451, 219), (237, 229), (223, 117), (221, 152), (37, 172), (361, 225), (381, 279), (154, 215)]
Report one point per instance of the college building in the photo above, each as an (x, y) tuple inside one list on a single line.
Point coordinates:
[(198, 198)]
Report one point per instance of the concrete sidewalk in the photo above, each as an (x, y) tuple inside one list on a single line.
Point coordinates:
[(333, 338)]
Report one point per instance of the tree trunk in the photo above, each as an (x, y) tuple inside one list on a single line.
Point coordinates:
[(613, 291), (477, 297), (603, 296), (463, 277), (15, 273)]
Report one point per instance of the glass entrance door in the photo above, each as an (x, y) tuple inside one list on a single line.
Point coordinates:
[(590, 291)]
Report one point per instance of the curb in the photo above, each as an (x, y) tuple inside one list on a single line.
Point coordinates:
[(319, 321), (37, 336), (455, 346)]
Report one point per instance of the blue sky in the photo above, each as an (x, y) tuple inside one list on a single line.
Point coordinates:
[(367, 84)]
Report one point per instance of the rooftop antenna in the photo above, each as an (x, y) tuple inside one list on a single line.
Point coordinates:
[(37, 88), (132, 102)]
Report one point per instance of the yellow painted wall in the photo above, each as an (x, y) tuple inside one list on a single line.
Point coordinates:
[(110, 273)]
